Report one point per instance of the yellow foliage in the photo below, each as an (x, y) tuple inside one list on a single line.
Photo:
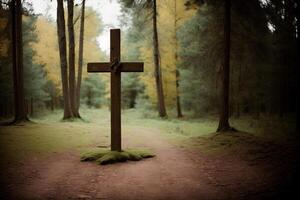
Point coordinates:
[(91, 50), (167, 44), (47, 51), (4, 42)]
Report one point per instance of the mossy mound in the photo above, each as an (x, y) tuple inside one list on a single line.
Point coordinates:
[(105, 156)]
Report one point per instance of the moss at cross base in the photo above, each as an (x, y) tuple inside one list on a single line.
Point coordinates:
[(105, 156)]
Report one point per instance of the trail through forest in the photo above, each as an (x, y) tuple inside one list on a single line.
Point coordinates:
[(175, 173)]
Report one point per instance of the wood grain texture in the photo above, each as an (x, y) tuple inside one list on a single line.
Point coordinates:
[(125, 67)]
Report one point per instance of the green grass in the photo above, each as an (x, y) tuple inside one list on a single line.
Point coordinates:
[(41, 139), (105, 156), (49, 134)]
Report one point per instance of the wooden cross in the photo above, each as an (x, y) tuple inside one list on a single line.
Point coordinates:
[(115, 67)]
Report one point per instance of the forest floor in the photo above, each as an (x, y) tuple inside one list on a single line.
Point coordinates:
[(41, 160)]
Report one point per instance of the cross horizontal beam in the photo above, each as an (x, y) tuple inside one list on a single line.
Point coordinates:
[(124, 67)]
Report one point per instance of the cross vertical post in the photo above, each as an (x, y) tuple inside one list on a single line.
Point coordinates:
[(115, 67), (115, 87)]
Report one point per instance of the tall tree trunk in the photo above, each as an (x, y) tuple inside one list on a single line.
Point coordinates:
[(178, 105), (17, 47), (80, 57), (61, 32), (298, 68), (224, 111), (232, 93), (239, 90), (158, 73), (72, 84)]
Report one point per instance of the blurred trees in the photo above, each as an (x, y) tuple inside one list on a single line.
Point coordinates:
[(139, 26), (17, 61), (42, 82), (283, 18), (264, 63), (6, 94), (150, 9), (262, 59), (33, 74), (93, 91), (69, 82), (202, 54)]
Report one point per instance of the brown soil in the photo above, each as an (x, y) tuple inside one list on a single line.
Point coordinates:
[(175, 173)]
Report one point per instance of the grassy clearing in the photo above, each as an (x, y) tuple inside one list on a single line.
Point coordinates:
[(49, 134), (105, 156), (41, 139)]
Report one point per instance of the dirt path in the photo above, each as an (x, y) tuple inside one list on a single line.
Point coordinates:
[(174, 173)]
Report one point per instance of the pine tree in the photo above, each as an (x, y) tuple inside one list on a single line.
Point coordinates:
[(151, 6), (93, 91)]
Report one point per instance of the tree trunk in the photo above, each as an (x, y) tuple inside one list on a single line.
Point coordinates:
[(52, 103), (283, 91), (17, 47), (61, 32), (178, 105), (158, 73), (224, 111), (80, 57), (31, 107), (72, 84), (238, 98), (298, 69)]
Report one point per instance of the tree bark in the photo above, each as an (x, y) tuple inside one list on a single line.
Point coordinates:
[(17, 47), (224, 111), (178, 105), (298, 69), (72, 83), (61, 32), (239, 89), (157, 72), (80, 57)]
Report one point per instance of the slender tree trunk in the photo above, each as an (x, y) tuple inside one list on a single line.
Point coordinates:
[(283, 91), (61, 32), (158, 73), (52, 103), (80, 57), (31, 106), (224, 111), (178, 105), (17, 47), (238, 108), (232, 95), (72, 83)]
